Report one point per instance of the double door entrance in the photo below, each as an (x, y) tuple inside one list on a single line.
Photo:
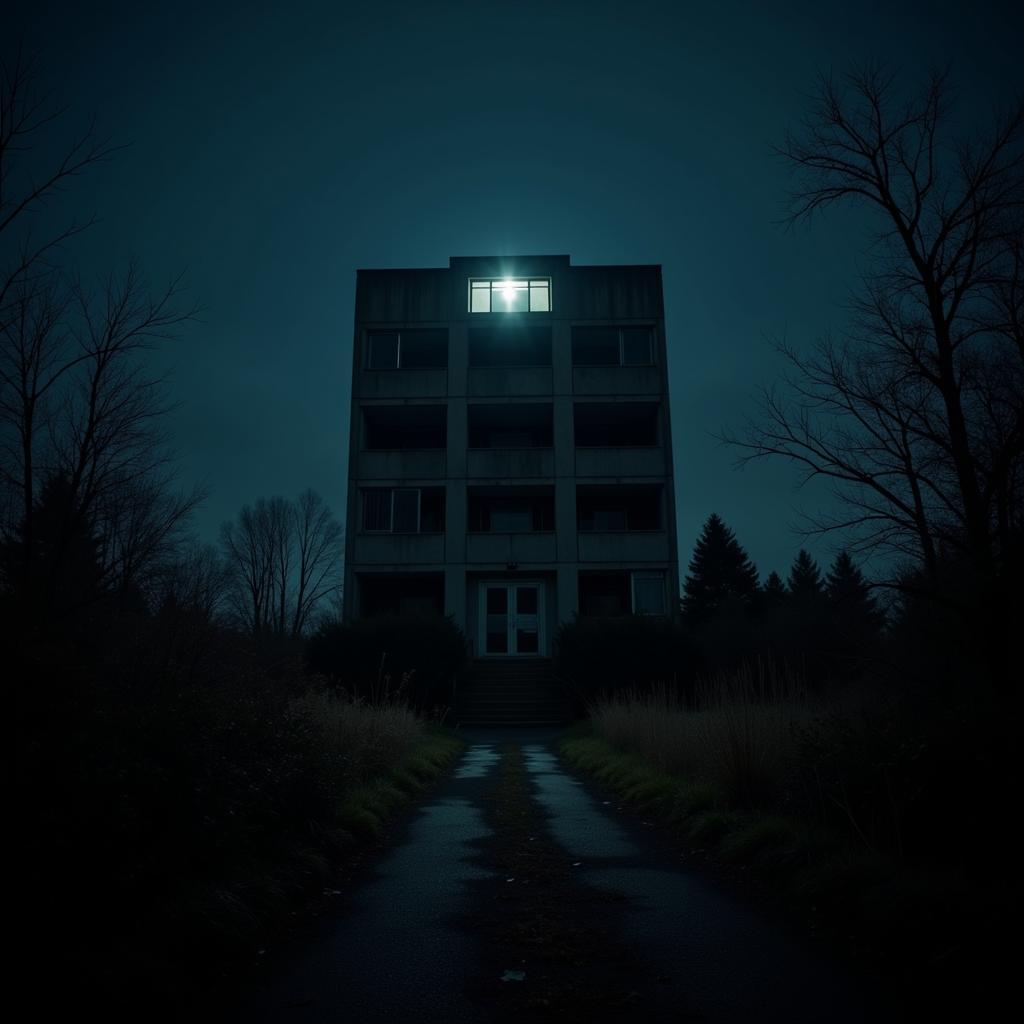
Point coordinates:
[(512, 618)]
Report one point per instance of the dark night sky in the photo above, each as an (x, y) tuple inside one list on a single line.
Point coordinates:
[(278, 147)]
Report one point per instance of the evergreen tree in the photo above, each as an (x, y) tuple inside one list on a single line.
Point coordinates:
[(773, 593), (805, 579), (720, 571), (850, 597)]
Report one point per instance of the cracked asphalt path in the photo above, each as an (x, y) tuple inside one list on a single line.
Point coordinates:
[(514, 893)]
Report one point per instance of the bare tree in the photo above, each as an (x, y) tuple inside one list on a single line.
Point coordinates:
[(319, 541), (75, 398), (916, 413), (286, 560)]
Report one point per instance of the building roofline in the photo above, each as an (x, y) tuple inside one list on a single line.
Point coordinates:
[(456, 261)]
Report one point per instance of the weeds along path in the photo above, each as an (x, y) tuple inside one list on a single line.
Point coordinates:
[(514, 893)]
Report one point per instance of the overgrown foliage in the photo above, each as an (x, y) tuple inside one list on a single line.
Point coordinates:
[(420, 656), (605, 655), (916, 413)]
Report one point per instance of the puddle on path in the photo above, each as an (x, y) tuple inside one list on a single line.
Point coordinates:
[(574, 820), (478, 761)]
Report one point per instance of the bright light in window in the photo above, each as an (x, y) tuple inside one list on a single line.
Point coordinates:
[(510, 295)]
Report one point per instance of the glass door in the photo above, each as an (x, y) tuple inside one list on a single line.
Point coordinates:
[(526, 621), (496, 619), (512, 617)]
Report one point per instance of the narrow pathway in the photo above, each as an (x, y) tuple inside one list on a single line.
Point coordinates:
[(516, 894)]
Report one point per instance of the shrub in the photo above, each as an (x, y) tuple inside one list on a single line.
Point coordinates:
[(418, 655), (602, 656)]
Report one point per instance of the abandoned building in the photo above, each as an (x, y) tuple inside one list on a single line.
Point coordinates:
[(511, 457)]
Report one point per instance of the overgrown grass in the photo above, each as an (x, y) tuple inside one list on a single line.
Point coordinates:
[(200, 815), (361, 761), (736, 737), (814, 800)]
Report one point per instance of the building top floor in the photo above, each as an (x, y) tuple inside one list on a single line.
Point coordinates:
[(529, 288)]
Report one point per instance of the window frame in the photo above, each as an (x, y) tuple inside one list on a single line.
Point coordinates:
[(391, 510), (533, 284), (648, 575), (369, 334), (620, 330)]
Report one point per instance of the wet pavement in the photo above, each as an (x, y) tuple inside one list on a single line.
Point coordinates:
[(401, 945)]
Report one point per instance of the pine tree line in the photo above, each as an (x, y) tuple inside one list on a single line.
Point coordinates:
[(827, 623)]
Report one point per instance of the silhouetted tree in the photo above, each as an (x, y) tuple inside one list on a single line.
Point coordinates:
[(804, 583), (285, 559), (719, 571), (855, 619), (69, 577), (848, 591), (916, 414), (773, 593), (75, 399)]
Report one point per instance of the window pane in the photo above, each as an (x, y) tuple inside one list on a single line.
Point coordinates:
[(526, 641), (636, 346), (609, 519), (540, 297), (497, 635), (497, 600), (526, 600), (377, 510), (422, 349), (509, 297), (511, 519), (595, 346), (648, 595), (480, 297), (604, 594), (407, 510), (511, 344), (383, 350), (432, 511)]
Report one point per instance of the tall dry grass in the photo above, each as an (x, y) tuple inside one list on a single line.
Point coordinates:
[(737, 734), (357, 739)]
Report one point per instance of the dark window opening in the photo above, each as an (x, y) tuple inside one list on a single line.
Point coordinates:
[(616, 424), (611, 509), (510, 345), (403, 510), (612, 346), (510, 426), (604, 594), (405, 427), (401, 595), (622, 593), (523, 511), (413, 349)]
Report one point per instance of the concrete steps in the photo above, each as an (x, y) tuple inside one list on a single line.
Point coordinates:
[(511, 691)]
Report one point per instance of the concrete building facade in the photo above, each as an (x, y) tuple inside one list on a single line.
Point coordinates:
[(511, 455)]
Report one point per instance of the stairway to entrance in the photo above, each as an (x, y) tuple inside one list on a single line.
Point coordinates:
[(511, 691)]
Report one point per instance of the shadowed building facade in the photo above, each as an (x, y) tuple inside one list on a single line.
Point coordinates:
[(511, 457)]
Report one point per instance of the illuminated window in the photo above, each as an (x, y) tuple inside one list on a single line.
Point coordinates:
[(510, 295)]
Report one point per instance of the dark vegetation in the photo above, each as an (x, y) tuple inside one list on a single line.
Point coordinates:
[(183, 784), (855, 740), (424, 656)]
